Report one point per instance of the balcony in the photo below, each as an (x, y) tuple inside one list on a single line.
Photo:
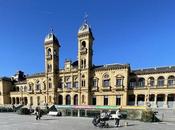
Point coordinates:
[(75, 89), (59, 89), (83, 51), (37, 90), (106, 88), (67, 89), (49, 57), (30, 90), (117, 87), (94, 88)]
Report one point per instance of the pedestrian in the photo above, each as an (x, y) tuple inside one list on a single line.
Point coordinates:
[(38, 113), (13, 107), (118, 116)]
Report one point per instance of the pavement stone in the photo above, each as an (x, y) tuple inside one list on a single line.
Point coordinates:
[(13, 121)]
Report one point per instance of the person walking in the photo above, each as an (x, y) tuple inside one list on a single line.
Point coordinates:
[(118, 116), (38, 113)]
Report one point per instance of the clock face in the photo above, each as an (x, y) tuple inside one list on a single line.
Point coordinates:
[(67, 66)]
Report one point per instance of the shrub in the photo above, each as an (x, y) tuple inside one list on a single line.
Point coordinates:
[(23, 111), (132, 114), (6, 109), (147, 116), (44, 111)]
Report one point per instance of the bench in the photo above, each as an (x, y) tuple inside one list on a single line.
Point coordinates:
[(54, 113)]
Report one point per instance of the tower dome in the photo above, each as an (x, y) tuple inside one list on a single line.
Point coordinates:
[(51, 38), (84, 28)]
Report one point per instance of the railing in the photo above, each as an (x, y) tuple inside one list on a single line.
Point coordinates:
[(59, 89), (49, 57)]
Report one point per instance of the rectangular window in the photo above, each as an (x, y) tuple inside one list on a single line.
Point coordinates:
[(105, 100), (141, 84), (83, 83), (94, 100), (118, 100), (50, 99), (170, 82), (50, 85), (152, 83), (94, 83), (132, 84), (106, 83), (68, 85), (38, 100), (119, 82), (75, 84), (37, 87), (160, 83)]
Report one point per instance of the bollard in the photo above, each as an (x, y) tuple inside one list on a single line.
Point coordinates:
[(126, 124)]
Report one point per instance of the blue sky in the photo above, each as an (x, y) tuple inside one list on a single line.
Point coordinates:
[(138, 32)]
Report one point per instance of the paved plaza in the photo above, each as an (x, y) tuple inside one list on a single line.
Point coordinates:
[(12, 121)]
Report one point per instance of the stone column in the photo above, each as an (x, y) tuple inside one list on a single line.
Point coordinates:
[(145, 100), (71, 114), (165, 105), (78, 112), (85, 113), (155, 100), (135, 99)]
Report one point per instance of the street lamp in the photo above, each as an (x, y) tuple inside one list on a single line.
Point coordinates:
[(148, 104), (21, 89)]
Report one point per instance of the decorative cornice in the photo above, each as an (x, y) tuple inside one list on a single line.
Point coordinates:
[(154, 70)]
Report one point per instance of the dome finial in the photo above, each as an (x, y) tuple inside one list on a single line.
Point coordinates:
[(85, 18), (51, 30)]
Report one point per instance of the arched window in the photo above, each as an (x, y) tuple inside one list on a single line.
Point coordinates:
[(119, 80), (171, 80), (49, 83), (84, 63), (83, 99), (141, 82), (68, 100), (60, 100), (83, 83), (160, 81), (83, 45), (49, 68), (76, 99), (37, 87), (151, 81), (106, 80), (49, 52), (105, 100), (25, 88), (132, 83), (95, 83), (30, 86)]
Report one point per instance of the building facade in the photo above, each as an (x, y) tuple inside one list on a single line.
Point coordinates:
[(82, 83)]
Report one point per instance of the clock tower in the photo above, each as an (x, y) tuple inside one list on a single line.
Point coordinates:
[(51, 67), (85, 53)]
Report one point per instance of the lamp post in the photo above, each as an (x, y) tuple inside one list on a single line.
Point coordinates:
[(148, 104), (22, 94)]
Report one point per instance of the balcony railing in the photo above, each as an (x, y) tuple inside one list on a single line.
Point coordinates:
[(67, 89), (37, 90), (75, 88), (30, 90), (83, 51), (59, 89), (49, 57), (94, 88), (106, 88)]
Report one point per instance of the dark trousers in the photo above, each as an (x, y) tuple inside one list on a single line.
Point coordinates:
[(117, 122)]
